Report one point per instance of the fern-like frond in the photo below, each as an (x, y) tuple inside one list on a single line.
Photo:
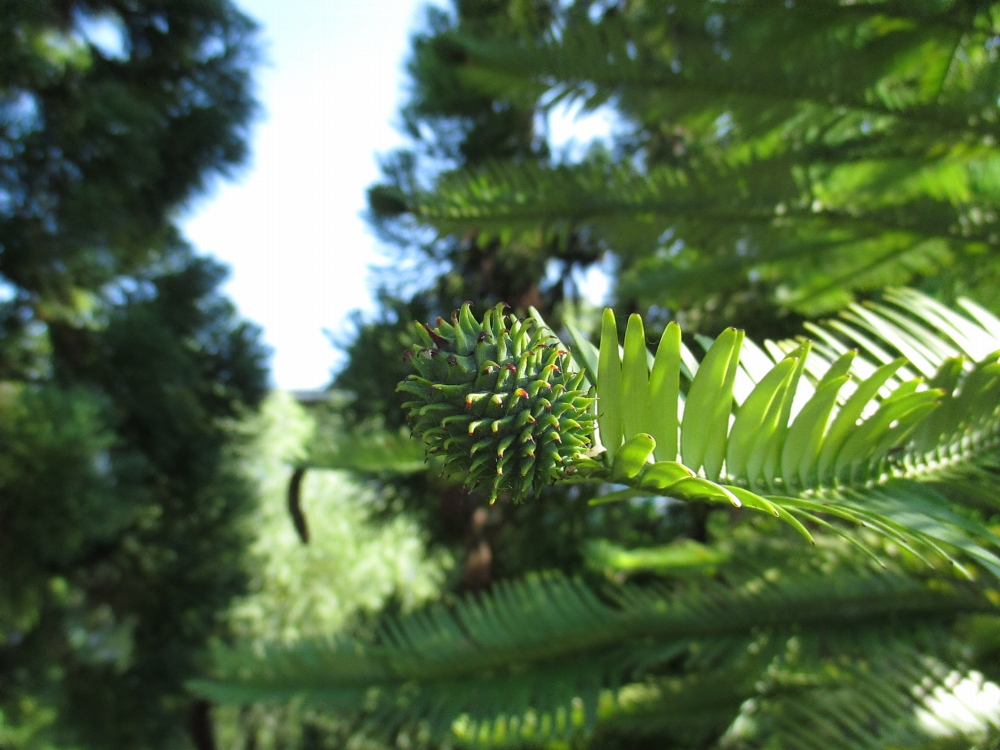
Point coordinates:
[(864, 422), (829, 146), (900, 694), (852, 423), (677, 227), (535, 659), (900, 688), (508, 200), (683, 63)]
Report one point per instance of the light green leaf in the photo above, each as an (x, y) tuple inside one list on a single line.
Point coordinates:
[(755, 501), (948, 375), (842, 366), (968, 336), (632, 457), (664, 393), (663, 474), (917, 355), (772, 463), (984, 317), (801, 450), (696, 488), (874, 350), (750, 417), (635, 380), (709, 404), (586, 354), (610, 419), (907, 424), (864, 439), (845, 421)]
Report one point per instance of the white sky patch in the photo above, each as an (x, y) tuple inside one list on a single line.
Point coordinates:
[(291, 227), (571, 130), (105, 32), (595, 283), (967, 705)]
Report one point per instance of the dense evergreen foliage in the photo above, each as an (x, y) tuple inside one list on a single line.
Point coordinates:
[(123, 368), (354, 564), (795, 152)]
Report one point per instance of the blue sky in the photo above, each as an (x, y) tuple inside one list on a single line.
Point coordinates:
[(290, 226)]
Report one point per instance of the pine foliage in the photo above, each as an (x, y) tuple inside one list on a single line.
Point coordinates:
[(543, 658)]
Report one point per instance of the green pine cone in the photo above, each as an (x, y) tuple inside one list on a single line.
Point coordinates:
[(496, 400)]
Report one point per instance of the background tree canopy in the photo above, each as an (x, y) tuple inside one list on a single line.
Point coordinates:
[(122, 368), (806, 151)]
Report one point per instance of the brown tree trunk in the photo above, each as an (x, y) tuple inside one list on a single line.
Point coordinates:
[(200, 724)]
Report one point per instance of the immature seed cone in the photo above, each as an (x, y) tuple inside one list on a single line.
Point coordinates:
[(497, 401)]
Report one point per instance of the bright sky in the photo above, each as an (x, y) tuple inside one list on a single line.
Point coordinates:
[(290, 227)]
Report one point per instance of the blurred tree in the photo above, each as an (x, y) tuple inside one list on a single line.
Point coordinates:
[(796, 152), (123, 367), (455, 123), (352, 566), (112, 115)]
